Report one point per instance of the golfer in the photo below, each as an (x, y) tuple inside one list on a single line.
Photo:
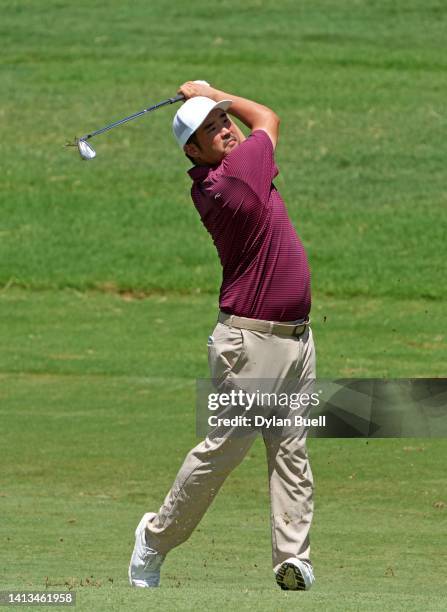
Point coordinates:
[(262, 332)]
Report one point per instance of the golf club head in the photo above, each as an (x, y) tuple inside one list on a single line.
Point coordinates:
[(86, 150)]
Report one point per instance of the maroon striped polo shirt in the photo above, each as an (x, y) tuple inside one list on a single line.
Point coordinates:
[(265, 269)]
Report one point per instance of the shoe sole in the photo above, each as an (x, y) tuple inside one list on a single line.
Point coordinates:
[(290, 578)]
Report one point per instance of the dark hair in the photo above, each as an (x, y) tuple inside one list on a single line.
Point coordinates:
[(192, 140)]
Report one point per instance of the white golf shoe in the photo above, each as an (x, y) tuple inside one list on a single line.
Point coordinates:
[(295, 575), (144, 568)]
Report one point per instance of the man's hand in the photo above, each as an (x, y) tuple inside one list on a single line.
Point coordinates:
[(190, 89)]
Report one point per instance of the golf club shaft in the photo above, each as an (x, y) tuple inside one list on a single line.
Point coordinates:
[(126, 119)]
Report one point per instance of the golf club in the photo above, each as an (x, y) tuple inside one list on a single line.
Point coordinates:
[(86, 150)]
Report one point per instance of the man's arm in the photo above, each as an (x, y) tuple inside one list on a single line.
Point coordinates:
[(255, 116)]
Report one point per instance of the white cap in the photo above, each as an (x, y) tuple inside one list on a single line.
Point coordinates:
[(192, 114)]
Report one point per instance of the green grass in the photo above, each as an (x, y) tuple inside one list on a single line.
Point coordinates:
[(164, 337), (97, 400), (359, 88), (97, 385)]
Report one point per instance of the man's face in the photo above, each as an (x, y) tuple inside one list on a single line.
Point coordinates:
[(216, 137)]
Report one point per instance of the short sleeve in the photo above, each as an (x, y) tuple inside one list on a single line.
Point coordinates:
[(253, 163)]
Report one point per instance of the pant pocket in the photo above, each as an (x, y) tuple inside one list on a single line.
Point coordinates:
[(226, 352)]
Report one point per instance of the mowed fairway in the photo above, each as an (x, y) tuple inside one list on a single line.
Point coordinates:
[(108, 290)]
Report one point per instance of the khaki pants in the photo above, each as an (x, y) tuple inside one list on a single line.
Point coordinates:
[(234, 355)]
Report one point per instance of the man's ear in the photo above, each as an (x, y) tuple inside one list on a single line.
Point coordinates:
[(191, 150)]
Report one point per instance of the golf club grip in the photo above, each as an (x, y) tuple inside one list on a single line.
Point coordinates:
[(177, 98)]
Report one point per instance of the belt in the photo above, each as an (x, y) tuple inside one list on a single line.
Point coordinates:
[(270, 327)]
